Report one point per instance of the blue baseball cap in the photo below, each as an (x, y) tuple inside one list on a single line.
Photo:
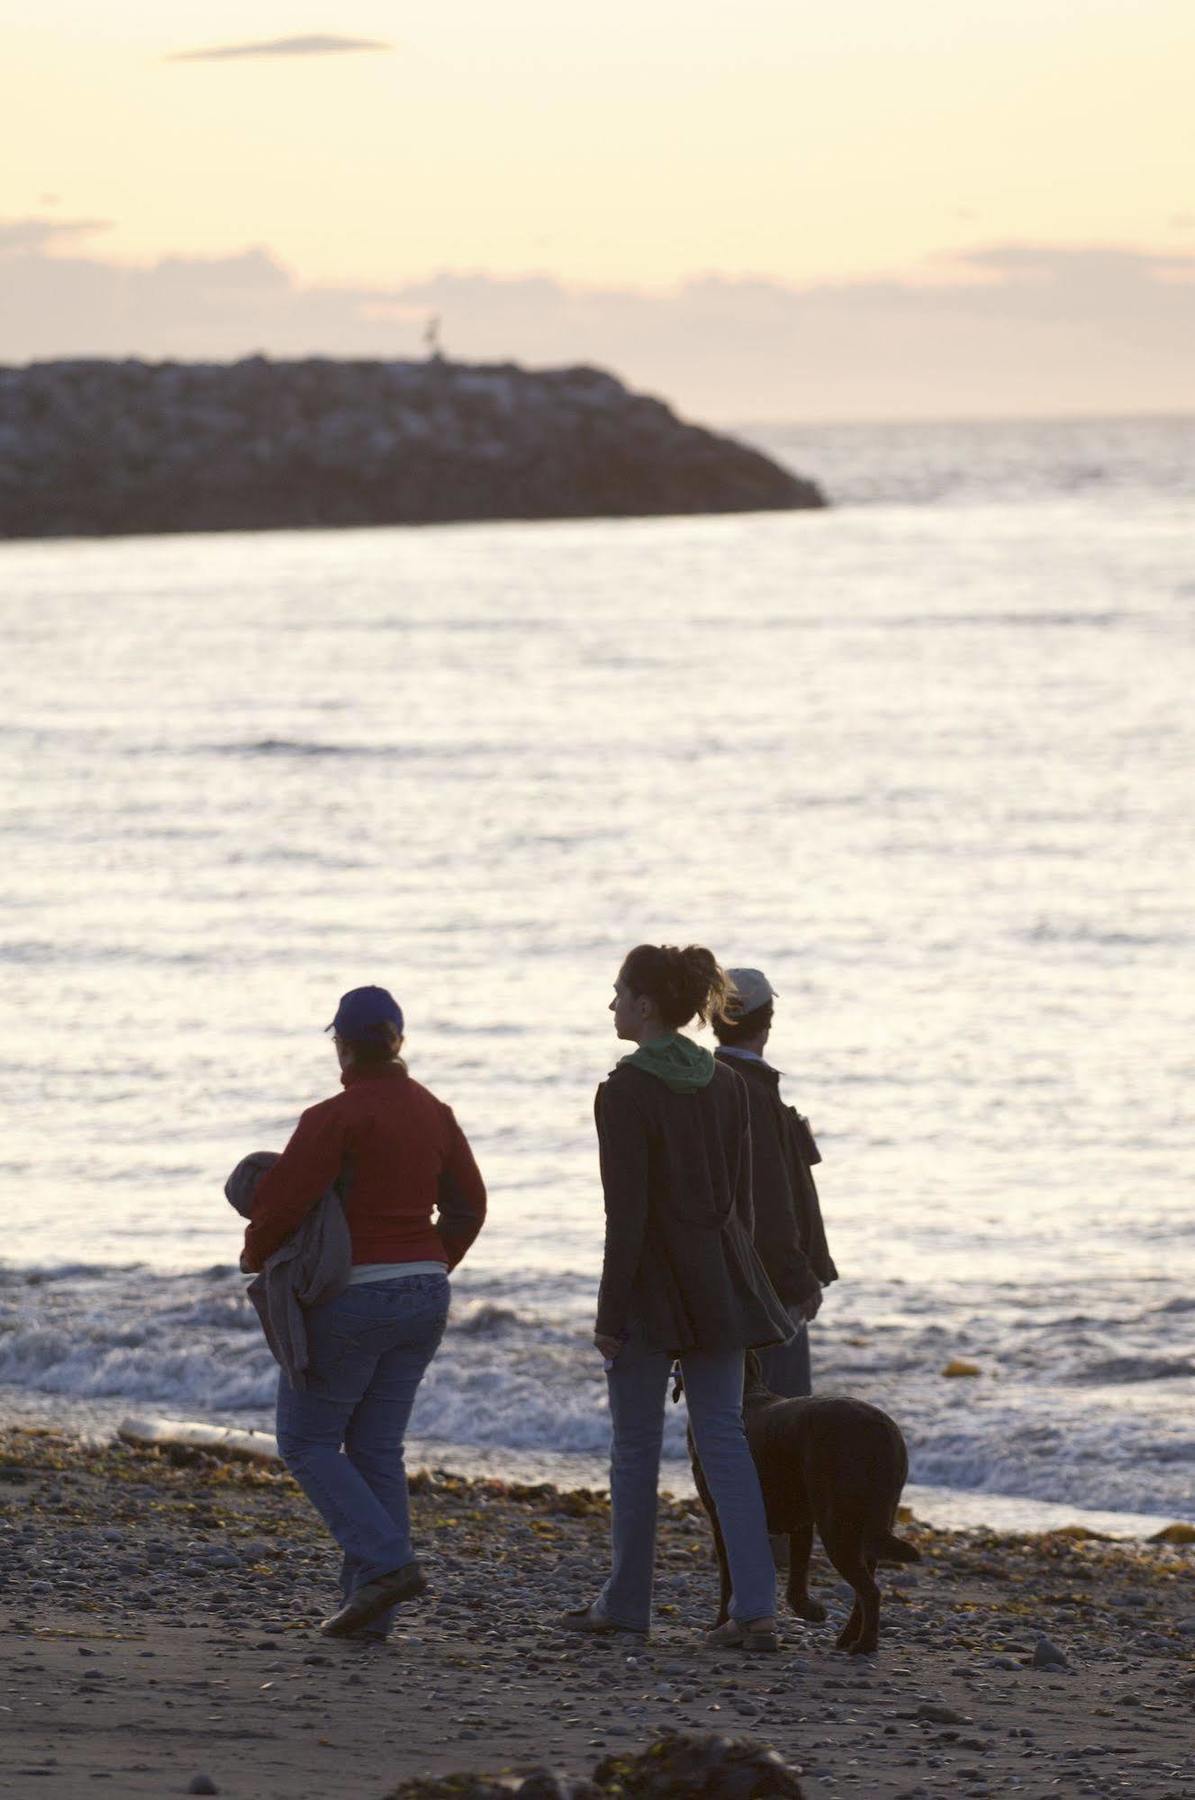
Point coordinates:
[(363, 1010)]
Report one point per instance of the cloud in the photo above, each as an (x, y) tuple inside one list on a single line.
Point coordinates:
[(41, 233), (1008, 329), (315, 45), (1073, 275)]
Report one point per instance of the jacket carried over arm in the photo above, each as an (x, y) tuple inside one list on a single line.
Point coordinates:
[(397, 1155), (309, 1268), (789, 1233), (676, 1176)]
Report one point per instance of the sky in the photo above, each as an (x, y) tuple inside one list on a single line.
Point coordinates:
[(760, 209)]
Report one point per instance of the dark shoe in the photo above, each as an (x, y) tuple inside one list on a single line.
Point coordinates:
[(373, 1598), (585, 1620)]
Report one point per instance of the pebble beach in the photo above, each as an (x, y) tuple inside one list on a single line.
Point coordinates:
[(160, 1613)]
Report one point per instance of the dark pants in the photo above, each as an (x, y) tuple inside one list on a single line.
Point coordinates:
[(786, 1367)]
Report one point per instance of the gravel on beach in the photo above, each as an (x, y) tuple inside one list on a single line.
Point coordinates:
[(160, 1610)]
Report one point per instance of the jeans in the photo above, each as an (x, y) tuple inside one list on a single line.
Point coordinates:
[(638, 1384), (367, 1351), (786, 1368)]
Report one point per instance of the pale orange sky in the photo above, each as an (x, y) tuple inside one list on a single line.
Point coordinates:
[(628, 150)]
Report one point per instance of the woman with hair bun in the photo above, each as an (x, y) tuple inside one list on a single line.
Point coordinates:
[(680, 1279)]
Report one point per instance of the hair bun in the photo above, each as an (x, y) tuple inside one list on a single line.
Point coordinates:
[(682, 983)]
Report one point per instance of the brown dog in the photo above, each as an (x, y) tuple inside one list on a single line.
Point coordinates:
[(835, 1463)]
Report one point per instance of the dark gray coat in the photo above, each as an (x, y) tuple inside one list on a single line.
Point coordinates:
[(676, 1174), (308, 1268), (789, 1233)]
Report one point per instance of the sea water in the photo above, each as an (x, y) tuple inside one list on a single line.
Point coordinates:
[(924, 757)]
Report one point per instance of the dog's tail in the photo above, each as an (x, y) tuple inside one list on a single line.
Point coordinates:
[(885, 1546)]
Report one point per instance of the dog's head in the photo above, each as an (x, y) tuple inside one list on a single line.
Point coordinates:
[(756, 1391)]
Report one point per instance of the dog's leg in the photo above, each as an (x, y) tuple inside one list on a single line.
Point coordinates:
[(848, 1636), (860, 1634), (867, 1639), (800, 1544)]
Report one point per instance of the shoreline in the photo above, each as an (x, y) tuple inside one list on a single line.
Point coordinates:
[(160, 1610), (94, 1422)]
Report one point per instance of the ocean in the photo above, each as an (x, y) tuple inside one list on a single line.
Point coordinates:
[(924, 757)]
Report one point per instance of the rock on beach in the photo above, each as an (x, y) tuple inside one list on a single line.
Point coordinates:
[(107, 448), (678, 1763)]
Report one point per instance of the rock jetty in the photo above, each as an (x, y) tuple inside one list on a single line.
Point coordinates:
[(107, 448)]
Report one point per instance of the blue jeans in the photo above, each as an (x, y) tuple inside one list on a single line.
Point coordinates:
[(638, 1384), (786, 1368), (367, 1351)]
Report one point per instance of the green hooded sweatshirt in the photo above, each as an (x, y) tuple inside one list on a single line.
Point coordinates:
[(677, 1061)]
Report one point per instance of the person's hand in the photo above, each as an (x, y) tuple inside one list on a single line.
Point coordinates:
[(608, 1346), (811, 1306)]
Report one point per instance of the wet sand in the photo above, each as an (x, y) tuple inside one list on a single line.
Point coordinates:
[(158, 1613)]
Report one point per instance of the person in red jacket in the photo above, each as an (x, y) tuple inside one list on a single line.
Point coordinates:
[(397, 1156)]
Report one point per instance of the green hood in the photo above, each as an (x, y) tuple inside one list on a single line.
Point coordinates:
[(677, 1061)]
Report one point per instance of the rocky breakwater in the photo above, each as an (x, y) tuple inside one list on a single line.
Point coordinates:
[(99, 448)]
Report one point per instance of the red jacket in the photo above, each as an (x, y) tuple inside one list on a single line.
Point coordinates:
[(403, 1155)]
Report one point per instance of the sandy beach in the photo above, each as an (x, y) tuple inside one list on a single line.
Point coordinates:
[(159, 1626)]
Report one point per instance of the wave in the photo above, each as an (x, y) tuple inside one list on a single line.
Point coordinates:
[(1121, 1369), (489, 1319), (517, 1373), (1100, 1464), (301, 748), (39, 952), (38, 1275), (295, 747), (1051, 619), (502, 1379), (1048, 931), (990, 462)]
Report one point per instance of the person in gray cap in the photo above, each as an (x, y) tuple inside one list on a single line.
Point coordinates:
[(789, 1234)]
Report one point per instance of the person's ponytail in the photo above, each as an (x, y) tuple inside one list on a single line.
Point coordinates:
[(683, 984)]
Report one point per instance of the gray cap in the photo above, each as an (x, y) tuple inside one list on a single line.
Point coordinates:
[(752, 989)]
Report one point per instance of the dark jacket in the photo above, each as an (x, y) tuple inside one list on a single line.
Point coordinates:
[(789, 1233), (400, 1156), (676, 1173)]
